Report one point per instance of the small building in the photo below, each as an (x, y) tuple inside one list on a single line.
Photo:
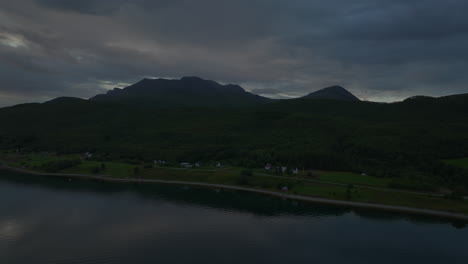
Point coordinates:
[(186, 165), (296, 171), (283, 169), (285, 189), (268, 166), (88, 155), (218, 165), (198, 164)]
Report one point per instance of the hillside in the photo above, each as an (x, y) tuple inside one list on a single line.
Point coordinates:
[(199, 120), (405, 139)]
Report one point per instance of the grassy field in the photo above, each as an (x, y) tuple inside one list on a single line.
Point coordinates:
[(35, 162), (462, 163), (341, 177), (258, 179), (352, 178), (118, 170)]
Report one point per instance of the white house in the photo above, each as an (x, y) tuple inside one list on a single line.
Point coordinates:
[(283, 169), (186, 165), (295, 171), (218, 165)]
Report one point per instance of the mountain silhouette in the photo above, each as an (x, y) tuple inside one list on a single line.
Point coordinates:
[(186, 92), (333, 93)]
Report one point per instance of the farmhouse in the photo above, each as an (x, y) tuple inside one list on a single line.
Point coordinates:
[(186, 165)]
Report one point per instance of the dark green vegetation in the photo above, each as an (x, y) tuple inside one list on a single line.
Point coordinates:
[(403, 143), (324, 184), (462, 163)]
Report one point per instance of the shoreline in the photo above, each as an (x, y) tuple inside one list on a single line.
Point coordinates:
[(309, 199)]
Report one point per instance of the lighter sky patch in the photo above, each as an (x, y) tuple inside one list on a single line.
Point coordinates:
[(12, 40)]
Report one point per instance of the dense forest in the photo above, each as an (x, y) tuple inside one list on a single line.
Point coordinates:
[(408, 139)]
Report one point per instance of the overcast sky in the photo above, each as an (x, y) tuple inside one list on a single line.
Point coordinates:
[(381, 50)]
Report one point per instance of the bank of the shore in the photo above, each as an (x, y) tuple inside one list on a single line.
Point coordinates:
[(283, 195)]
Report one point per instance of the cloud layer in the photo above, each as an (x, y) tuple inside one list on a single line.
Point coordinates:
[(380, 50)]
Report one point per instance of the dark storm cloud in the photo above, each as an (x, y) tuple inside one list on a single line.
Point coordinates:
[(82, 6), (381, 50), (102, 7)]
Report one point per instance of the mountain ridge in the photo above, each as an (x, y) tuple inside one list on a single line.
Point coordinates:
[(198, 92), (187, 91)]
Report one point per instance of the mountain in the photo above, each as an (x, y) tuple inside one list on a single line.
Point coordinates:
[(405, 139), (333, 93), (186, 92), (65, 100)]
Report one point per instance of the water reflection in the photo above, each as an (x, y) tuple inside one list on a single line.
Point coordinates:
[(221, 200), (51, 220)]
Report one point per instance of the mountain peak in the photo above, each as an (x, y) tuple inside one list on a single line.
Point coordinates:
[(187, 91), (192, 78), (65, 100), (335, 92), (335, 88)]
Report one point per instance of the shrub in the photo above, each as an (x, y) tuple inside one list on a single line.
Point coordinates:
[(247, 173), (96, 170)]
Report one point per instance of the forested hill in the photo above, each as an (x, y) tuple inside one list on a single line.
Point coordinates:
[(406, 139)]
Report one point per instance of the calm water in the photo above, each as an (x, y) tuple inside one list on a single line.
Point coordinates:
[(45, 220)]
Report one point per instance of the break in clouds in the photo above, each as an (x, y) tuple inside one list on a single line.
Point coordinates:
[(382, 50)]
